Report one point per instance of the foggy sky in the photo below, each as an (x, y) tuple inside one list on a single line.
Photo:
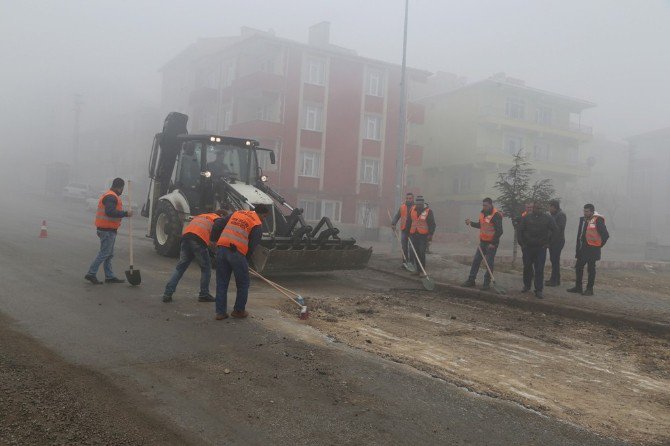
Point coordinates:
[(614, 53)]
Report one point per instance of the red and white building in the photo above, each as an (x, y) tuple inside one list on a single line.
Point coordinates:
[(330, 115)]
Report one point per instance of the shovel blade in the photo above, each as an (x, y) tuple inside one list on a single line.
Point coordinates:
[(133, 276), (428, 283)]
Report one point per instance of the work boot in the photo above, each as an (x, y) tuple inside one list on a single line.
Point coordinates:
[(588, 292), (220, 317), (468, 283), (91, 278), (486, 286), (114, 280), (206, 298), (167, 298), (538, 294), (239, 314), (575, 289), (525, 289)]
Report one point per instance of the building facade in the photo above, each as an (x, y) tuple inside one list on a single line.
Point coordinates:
[(330, 115), (471, 133)]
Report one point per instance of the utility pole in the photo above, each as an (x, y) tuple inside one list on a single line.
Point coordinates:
[(78, 103), (400, 153)]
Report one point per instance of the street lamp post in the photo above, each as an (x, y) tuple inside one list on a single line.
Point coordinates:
[(402, 124)]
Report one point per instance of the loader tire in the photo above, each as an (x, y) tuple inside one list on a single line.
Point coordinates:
[(167, 230)]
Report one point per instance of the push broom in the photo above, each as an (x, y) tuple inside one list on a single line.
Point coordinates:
[(298, 299)]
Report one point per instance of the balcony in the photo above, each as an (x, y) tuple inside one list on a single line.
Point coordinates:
[(500, 156), (498, 116)]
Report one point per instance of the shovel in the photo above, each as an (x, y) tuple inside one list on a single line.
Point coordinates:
[(132, 275), (408, 265), (493, 279), (426, 281)]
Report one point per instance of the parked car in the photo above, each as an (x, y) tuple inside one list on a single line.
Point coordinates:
[(77, 191)]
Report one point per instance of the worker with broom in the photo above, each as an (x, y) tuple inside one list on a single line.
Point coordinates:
[(107, 221), (403, 216), (421, 231), (490, 230), (236, 237), (194, 244)]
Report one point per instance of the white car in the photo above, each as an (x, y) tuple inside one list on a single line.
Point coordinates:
[(77, 191)]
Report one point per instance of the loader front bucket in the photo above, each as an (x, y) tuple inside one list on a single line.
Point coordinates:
[(309, 259)]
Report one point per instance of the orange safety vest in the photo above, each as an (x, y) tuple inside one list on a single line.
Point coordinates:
[(238, 229), (201, 225), (486, 228), (593, 237), (103, 221), (403, 216), (419, 223)]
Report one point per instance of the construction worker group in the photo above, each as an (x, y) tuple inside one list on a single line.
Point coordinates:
[(536, 232), (233, 236)]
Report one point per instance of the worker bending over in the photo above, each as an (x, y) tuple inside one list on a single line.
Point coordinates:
[(236, 237), (194, 244), (490, 230)]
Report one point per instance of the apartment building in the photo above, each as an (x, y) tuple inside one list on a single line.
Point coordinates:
[(331, 116), (471, 132)]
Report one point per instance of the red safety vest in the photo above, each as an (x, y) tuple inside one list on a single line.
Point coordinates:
[(419, 223), (403, 216), (102, 221), (486, 228), (201, 225), (593, 237), (238, 229)]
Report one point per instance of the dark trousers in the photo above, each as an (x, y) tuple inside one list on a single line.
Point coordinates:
[(404, 236), (579, 271), (191, 250), (231, 262), (477, 260), (533, 265), (555, 257), (420, 241)]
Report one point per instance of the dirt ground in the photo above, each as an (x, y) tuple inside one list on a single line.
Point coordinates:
[(44, 400), (612, 381)]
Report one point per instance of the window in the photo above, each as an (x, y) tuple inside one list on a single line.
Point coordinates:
[(367, 214), (311, 209), (227, 117), (573, 155), (372, 127), (331, 209), (310, 164), (313, 118), (374, 83), (370, 171), (514, 108), (316, 72), (513, 143), (229, 75), (461, 185), (543, 115), (541, 151)]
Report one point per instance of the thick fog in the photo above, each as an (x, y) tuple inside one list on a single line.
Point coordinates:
[(106, 56)]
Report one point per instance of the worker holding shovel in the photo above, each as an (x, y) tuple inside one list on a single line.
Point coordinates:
[(490, 230), (405, 220), (107, 221), (421, 232)]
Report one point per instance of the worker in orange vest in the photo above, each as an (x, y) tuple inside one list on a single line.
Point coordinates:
[(421, 231), (194, 244), (490, 230), (236, 237), (405, 221), (591, 237), (107, 221)]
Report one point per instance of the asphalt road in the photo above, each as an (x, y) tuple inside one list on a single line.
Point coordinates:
[(265, 380)]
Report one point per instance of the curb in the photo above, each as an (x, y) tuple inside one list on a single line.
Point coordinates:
[(611, 319)]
